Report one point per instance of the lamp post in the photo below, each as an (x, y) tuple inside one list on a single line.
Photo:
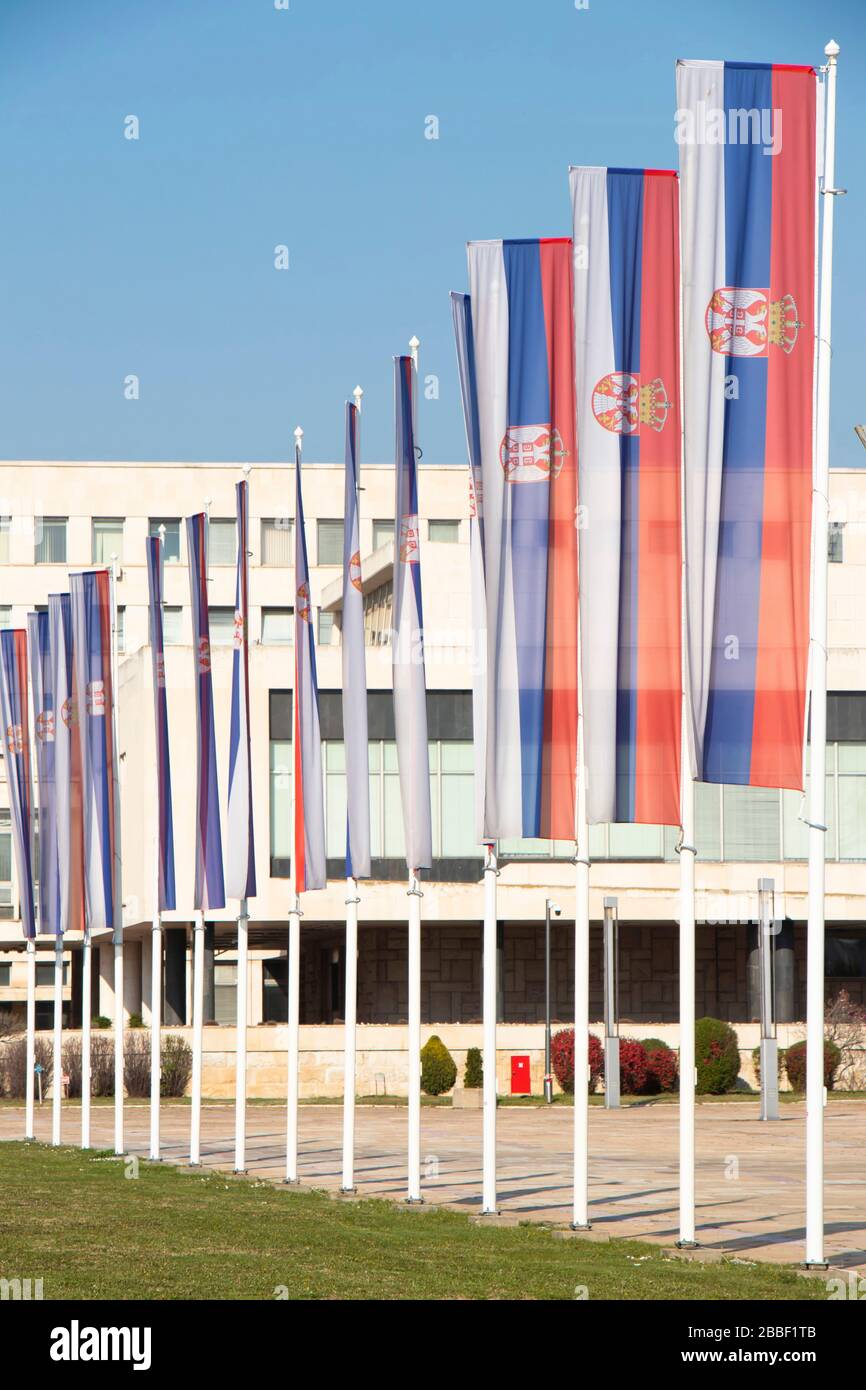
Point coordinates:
[(611, 1003), (551, 909), (769, 1044)]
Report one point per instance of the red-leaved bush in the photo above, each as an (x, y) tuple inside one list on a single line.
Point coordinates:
[(632, 1067), (662, 1072), (562, 1059)]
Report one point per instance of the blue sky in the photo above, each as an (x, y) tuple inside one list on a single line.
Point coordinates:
[(306, 127)]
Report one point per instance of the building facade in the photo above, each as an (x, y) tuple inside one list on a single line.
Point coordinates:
[(57, 517)]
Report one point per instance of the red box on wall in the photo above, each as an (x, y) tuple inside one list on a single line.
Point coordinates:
[(521, 1083)]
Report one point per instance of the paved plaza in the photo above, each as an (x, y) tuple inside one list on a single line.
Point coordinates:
[(750, 1175)]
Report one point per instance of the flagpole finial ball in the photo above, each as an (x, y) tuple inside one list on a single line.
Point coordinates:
[(832, 49), (414, 343), (299, 434)]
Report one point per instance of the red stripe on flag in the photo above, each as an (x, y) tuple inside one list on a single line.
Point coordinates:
[(659, 661), (298, 782), (783, 625), (559, 758)]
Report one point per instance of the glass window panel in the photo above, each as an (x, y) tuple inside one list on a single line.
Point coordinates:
[(5, 531), (375, 756), (458, 816), (6, 857), (172, 626), (50, 540), (325, 631), (5, 616), (171, 545), (383, 532), (222, 541), (335, 757), (836, 543), (389, 753), (278, 627), (525, 849), (222, 626), (395, 844), (635, 842), (375, 804), (107, 539), (329, 542), (852, 817), (281, 799), (121, 628), (708, 821), (852, 757), (751, 824), (277, 533), (445, 532), (335, 814), (795, 832), (225, 992), (457, 757), (845, 953)]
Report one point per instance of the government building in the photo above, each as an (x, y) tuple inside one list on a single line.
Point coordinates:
[(57, 517)]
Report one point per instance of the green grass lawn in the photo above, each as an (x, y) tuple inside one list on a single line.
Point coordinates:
[(87, 1231)]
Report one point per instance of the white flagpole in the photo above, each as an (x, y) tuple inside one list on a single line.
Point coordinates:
[(413, 1196), (580, 1217), (197, 1039), (57, 1069), (688, 853), (350, 1021), (242, 990), (30, 1046), (294, 961), (815, 1092), (118, 893), (86, 1015), (156, 938), (488, 1162)]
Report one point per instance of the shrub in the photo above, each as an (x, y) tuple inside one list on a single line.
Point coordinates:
[(632, 1067), (795, 1064), (438, 1068), (717, 1057), (136, 1064), (13, 1082), (102, 1066), (473, 1072), (756, 1062), (562, 1059), (662, 1070), (100, 1021), (136, 1021), (175, 1066), (72, 1066)]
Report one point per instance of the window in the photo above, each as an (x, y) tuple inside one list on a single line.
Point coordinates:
[(852, 800), (5, 530), (51, 540), (222, 541), (378, 615), (45, 975), (329, 542), (5, 976), (121, 628), (171, 545), (5, 615), (107, 539), (275, 991), (325, 631), (845, 953), (172, 626), (277, 541), (5, 863), (445, 532), (383, 532), (225, 975), (836, 542), (281, 801), (222, 626), (277, 627)]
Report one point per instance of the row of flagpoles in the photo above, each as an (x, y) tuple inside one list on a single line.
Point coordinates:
[(649, 397)]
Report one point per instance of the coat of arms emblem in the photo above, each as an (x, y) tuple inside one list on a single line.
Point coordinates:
[(45, 726), (532, 453), (303, 607), (747, 323), (622, 405), (410, 552)]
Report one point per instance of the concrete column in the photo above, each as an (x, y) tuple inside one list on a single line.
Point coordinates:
[(209, 976), (785, 972), (256, 1003), (175, 976), (104, 1000), (76, 975), (131, 978), (146, 958)]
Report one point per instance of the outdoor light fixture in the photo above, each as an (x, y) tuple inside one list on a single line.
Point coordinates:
[(551, 909), (611, 1003)]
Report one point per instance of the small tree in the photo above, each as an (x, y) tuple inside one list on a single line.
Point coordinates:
[(717, 1057), (795, 1065), (473, 1072), (175, 1066), (14, 1079), (136, 1064), (662, 1072), (845, 1028), (438, 1068), (562, 1060)]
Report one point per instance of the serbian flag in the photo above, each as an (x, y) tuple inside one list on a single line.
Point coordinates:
[(90, 594), (748, 139), (461, 312), (626, 311), (67, 766), (42, 690), (523, 327), (209, 886), (241, 867), (354, 666), (166, 893), (407, 651), (310, 866), (16, 740)]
